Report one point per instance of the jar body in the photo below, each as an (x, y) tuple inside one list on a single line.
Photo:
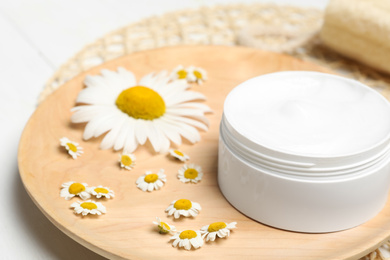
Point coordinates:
[(302, 204)]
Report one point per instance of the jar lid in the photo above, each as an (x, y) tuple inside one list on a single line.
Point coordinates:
[(308, 117)]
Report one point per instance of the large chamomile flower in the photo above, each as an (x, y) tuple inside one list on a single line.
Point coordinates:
[(187, 239), (155, 109), (190, 173), (183, 207), (220, 229), (151, 181), (71, 189), (88, 207), (163, 227)]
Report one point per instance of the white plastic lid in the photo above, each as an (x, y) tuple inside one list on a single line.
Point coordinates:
[(308, 113), (304, 123)]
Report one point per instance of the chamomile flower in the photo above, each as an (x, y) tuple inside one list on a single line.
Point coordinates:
[(196, 74), (73, 148), (156, 109), (101, 191), (220, 229), (190, 173), (151, 181), (127, 160), (71, 189), (179, 155), (179, 73), (163, 227), (88, 207), (187, 239), (183, 207)]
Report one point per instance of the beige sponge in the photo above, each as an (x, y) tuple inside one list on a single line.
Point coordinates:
[(359, 29)]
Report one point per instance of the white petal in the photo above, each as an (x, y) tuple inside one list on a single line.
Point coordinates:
[(140, 133), (176, 242), (97, 96), (122, 136), (187, 244), (110, 138), (170, 132), (183, 97), (184, 112), (188, 121), (131, 143), (203, 107)]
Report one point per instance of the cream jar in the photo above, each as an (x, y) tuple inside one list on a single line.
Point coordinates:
[(305, 151)]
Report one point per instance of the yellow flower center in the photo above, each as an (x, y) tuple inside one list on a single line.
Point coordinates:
[(178, 153), (165, 226), (187, 234), (198, 75), (182, 204), (191, 173), (141, 102), (182, 74), (101, 190), (216, 226), (72, 147), (126, 160), (150, 178), (88, 205), (76, 188)]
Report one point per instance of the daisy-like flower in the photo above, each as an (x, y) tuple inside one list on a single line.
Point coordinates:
[(127, 160), (88, 207), (73, 148), (190, 173), (179, 155), (187, 239), (155, 109), (101, 191), (151, 181), (71, 189), (179, 73), (163, 227), (183, 207), (220, 229), (196, 74)]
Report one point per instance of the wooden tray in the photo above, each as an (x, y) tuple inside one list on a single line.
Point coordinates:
[(126, 231)]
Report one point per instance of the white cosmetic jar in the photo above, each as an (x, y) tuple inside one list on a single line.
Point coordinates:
[(305, 151)]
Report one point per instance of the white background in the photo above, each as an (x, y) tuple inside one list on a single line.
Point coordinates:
[(36, 37)]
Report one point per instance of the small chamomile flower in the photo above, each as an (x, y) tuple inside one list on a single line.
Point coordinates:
[(179, 155), (196, 74), (127, 160), (220, 229), (71, 189), (73, 148), (183, 207), (187, 239), (163, 227), (101, 191), (179, 73), (151, 181), (190, 173), (88, 207)]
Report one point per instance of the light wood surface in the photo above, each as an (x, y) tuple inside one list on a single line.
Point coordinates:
[(126, 231)]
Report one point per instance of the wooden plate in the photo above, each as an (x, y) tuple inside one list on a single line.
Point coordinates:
[(126, 231)]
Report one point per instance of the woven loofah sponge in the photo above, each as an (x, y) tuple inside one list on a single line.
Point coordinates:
[(360, 30)]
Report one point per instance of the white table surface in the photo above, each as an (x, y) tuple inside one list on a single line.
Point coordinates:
[(37, 36)]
